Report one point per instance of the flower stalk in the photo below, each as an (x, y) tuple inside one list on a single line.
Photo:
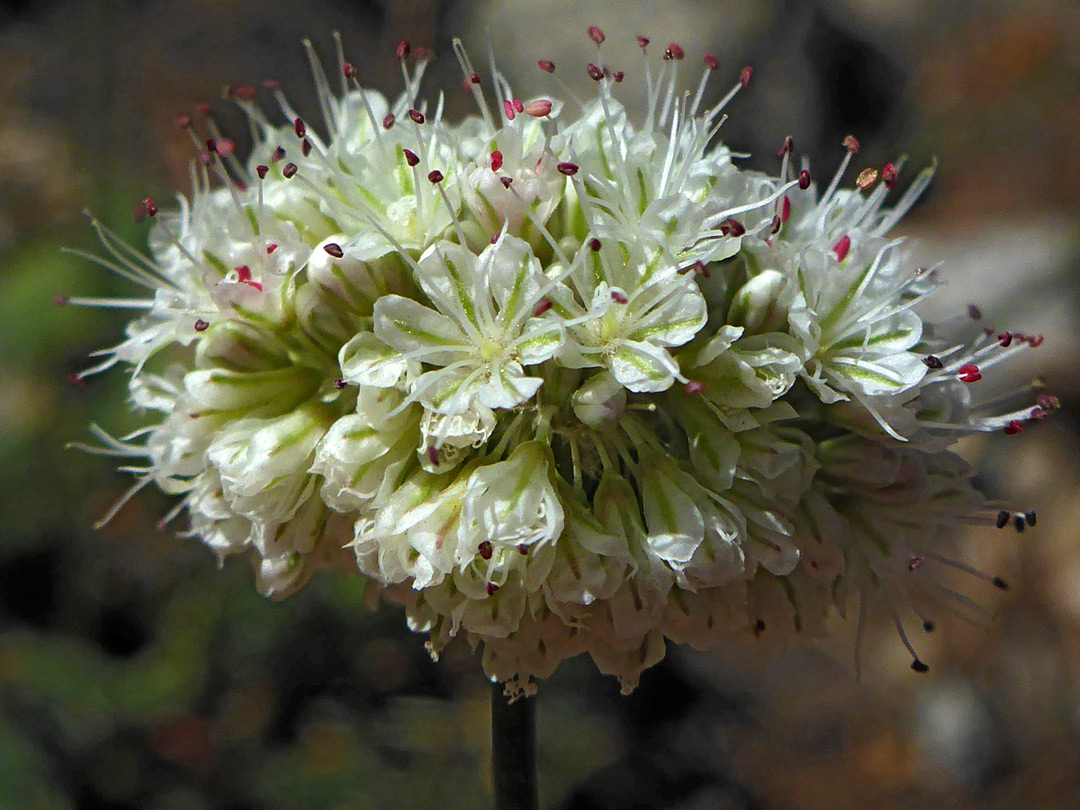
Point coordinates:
[(513, 751)]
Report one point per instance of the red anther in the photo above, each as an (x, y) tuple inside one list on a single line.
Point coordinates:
[(201, 325), (288, 170), (486, 550), (139, 211), (785, 209), (506, 181), (933, 361), (546, 65), (976, 314), (299, 128), (746, 75), (508, 108), (474, 78), (523, 549), (347, 70), (694, 387), (538, 108), (595, 73), (403, 50), (787, 148), (422, 54), (725, 228), (1005, 339), (851, 144), (494, 239), (842, 247), (711, 62), (433, 455), (305, 147), (416, 116), (915, 563), (271, 84), (491, 587), (334, 249), (388, 121), (567, 168), (618, 76), (735, 227), (339, 383), (211, 145), (245, 93), (435, 176), (774, 226), (204, 109), (1034, 341), (243, 274), (261, 170), (700, 269), (75, 378), (804, 179), (518, 106), (410, 156), (674, 51), (619, 297), (496, 160), (643, 42), (970, 368), (1048, 402), (151, 207), (183, 121), (60, 300), (971, 378), (1039, 414), (277, 155), (1014, 427), (271, 248), (866, 178), (596, 35), (542, 306), (594, 245), (889, 175)]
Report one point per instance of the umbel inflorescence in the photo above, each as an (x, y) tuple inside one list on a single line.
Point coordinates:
[(556, 380)]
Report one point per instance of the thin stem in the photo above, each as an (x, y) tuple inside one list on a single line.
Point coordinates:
[(513, 751)]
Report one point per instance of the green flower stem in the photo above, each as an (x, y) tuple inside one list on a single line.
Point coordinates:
[(513, 751)]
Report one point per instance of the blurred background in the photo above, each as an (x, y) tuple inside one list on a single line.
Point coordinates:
[(134, 674)]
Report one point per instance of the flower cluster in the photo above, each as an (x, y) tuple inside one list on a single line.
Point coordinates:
[(556, 381)]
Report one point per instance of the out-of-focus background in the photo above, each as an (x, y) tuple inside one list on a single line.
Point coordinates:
[(134, 674)]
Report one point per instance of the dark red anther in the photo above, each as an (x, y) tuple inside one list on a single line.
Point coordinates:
[(201, 325), (1014, 427), (595, 73), (474, 78), (243, 274), (523, 549), (271, 84), (403, 50), (711, 62), (334, 249), (546, 65), (506, 181), (288, 170), (542, 306), (998, 582), (842, 247), (785, 209), (1029, 516), (485, 549), (693, 387), (1048, 402), (277, 155), (735, 227), (932, 361), (700, 269), (151, 207), (1002, 519), (674, 51), (643, 42), (433, 455), (889, 175), (261, 170), (774, 226), (245, 93), (271, 248), (305, 147), (508, 108), (1005, 339), (1035, 341), (494, 238), (388, 121), (594, 245), (347, 70), (204, 109), (183, 121), (339, 383), (410, 156), (915, 563), (567, 168), (596, 35), (211, 145), (491, 587), (435, 176), (746, 75), (851, 144), (1019, 525), (619, 297), (496, 160), (75, 378), (618, 76), (416, 116), (787, 148), (976, 315), (299, 128), (804, 179), (919, 666)]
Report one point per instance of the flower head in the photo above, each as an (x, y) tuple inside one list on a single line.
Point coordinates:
[(559, 382)]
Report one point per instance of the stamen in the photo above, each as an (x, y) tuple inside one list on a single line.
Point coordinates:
[(746, 75), (596, 35), (546, 65), (890, 176), (804, 179)]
